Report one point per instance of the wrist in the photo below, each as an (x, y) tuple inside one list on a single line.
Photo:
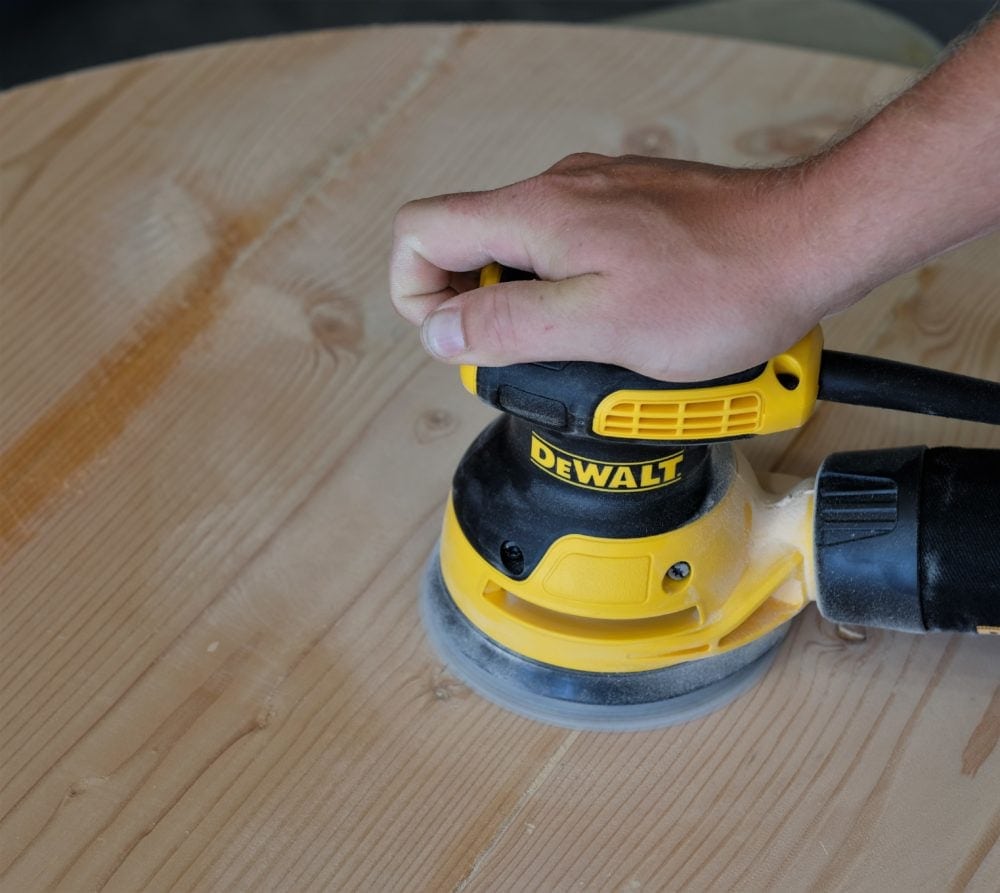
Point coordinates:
[(820, 262)]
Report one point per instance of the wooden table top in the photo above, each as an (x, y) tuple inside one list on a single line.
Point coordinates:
[(224, 460)]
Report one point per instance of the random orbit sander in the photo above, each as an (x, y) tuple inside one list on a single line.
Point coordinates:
[(608, 559)]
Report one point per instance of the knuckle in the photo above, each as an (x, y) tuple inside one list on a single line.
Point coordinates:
[(581, 159), (500, 330), (402, 223), (464, 203), (576, 159), (532, 199), (410, 215)]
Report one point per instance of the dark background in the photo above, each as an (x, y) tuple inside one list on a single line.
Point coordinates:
[(39, 38)]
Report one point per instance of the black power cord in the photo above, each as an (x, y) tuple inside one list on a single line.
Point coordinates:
[(886, 384)]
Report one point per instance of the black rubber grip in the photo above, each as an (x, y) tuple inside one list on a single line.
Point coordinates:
[(910, 539), (564, 396)]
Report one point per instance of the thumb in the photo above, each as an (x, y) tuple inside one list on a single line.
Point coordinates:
[(519, 322)]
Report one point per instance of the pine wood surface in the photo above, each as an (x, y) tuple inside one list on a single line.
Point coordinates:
[(223, 463)]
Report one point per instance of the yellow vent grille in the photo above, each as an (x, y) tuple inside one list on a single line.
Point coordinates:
[(660, 416)]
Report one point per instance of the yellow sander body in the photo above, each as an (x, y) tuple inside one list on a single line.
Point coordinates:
[(609, 560), (730, 575)]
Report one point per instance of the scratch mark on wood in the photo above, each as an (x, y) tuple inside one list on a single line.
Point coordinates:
[(135, 772), (258, 723), (557, 756)]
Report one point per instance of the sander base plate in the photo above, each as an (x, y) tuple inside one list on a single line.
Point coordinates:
[(579, 699)]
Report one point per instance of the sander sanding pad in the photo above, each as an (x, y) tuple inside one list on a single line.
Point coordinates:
[(579, 699)]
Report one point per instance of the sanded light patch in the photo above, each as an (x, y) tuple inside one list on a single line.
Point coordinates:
[(36, 470)]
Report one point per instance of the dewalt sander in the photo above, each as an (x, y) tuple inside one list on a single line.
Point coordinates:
[(608, 559)]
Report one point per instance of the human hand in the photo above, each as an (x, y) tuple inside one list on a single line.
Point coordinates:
[(680, 271)]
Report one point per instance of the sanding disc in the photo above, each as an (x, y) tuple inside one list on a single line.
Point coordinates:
[(585, 700)]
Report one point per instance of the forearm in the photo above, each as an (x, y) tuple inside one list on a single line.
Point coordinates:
[(923, 175)]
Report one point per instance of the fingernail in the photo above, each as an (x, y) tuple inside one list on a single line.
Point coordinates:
[(442, 334)]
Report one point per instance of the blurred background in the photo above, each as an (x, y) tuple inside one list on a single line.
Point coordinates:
[(40, 38)]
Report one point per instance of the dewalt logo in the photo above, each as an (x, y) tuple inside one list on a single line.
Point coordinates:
[(627, 477)]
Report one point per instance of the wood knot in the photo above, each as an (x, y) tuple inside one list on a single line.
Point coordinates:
[(926, 276), (433, 424), (653, 140), (263, 718), (337, 324), (445, 691), (82, 785), (445, 687), (792, 139)]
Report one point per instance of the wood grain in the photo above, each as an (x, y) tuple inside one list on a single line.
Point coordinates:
[(223, 462)]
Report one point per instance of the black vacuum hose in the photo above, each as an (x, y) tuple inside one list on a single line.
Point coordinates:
[(909, 539)]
